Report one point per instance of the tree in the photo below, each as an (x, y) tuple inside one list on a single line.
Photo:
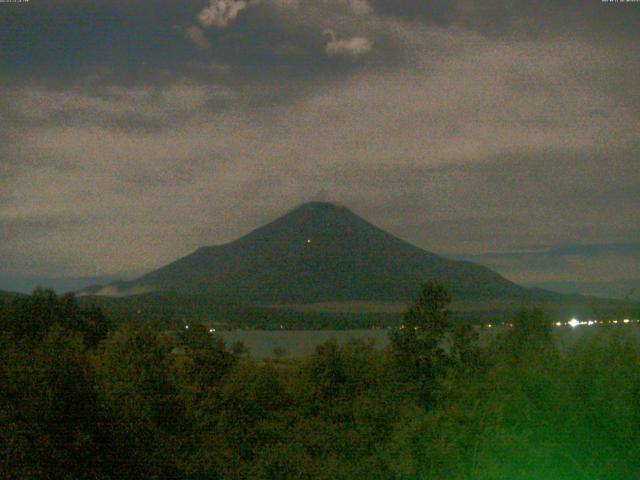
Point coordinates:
[(29, 318), (207, 359), (327, 371), (464, 345), (239, 349), (531, 331), (417, 343), (279, 351), (242, 421), (48, 408), (143, 412)]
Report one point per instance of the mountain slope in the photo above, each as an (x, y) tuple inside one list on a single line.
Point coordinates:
[(322, 252)]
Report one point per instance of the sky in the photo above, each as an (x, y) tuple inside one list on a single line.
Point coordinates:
[(134, 131)]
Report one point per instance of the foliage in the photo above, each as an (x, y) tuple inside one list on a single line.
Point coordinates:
[(417, 345), (437, 404), (47, 408), (30, 318)]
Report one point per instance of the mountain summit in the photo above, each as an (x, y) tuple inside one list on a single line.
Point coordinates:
[(321, 252)]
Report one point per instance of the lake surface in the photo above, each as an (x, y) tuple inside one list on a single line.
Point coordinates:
[(296, 343)]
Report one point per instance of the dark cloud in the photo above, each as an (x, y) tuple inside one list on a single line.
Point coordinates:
[(60, 35), (139, 38), (520, 17), (134, 132), (12, 230), (590, 262)]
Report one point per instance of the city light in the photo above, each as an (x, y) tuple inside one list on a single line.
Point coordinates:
[(574, 323)]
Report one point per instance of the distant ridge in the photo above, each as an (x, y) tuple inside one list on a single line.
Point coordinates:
[(617, 289), (322, 252)]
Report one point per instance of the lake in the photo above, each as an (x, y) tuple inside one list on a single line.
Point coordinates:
[(296, 343)]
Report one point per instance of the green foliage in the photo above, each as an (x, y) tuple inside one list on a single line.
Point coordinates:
[(29, 318), (538, 412), (146, 404), (531, 329), (464, 346), (144, 413), (47, 408), (417, 343), (208, 361)]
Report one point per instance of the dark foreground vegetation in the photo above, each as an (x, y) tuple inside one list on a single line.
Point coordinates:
[(80, 399)]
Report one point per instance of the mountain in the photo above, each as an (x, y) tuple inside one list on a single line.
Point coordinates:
[(617, 289), (321, 252), (26, 283)]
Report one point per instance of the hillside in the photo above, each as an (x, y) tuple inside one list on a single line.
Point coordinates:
[(320, 252)]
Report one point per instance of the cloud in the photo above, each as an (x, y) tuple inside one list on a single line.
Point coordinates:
[(462, 142), (197, 37), (322, 196), (116, 291), (115, 103), (360, 7), (602, 263), (353, 47), (221, 13)]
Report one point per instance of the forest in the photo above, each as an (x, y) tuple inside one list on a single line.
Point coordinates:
[(83, 398)]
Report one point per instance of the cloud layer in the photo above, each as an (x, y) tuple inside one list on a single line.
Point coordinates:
[(221, 13), (467, 131), (353, 47)]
